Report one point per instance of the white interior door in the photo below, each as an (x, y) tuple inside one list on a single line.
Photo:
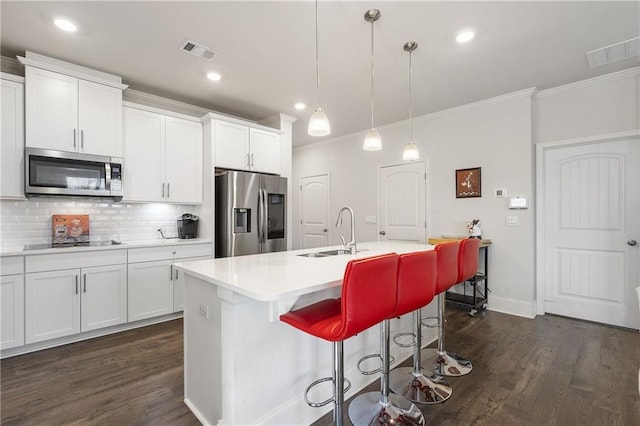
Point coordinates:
[(402, 202), (314, 211), (591, 201)]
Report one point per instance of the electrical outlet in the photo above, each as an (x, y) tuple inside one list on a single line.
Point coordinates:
[(204, 310)]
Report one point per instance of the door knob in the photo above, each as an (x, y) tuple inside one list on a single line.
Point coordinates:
[(632, 242), (383, 233)]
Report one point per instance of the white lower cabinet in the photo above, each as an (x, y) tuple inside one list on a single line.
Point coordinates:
[(61, 303), (67, 294), (150, 289), (11, 311), (178, 285), (155, 286)]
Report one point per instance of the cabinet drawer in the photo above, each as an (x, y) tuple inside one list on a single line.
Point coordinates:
[(148, 254), (55, 262), (12, 265)]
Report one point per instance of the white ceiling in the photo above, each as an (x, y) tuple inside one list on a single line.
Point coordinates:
[(267, 57)]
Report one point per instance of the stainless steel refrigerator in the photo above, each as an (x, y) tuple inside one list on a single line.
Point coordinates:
[(250, 213)]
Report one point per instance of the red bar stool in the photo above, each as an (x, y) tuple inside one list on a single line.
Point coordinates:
[(416, 289), (416, 283), (368, 297), (450, 263)]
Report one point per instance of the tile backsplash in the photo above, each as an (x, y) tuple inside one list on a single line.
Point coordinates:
[(29, 221)]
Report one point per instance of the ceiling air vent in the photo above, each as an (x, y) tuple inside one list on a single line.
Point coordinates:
[(197, 49), (614, 53)]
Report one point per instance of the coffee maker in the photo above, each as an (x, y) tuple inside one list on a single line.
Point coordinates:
[(188, 226)]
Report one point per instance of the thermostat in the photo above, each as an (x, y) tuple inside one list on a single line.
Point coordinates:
[(517, 203)]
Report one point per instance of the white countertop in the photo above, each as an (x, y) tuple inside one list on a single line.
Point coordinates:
[(276, 276), (17, 251)]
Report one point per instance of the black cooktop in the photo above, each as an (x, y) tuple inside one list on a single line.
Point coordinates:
[(71, 244)]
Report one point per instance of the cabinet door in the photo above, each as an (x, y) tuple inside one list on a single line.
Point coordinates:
[(11, 311), (99, 119), (231, 145), (104, 296), (178, 284), (12, 142), (150, 289), (51, 110), (265, 151), (143, 155), (52, 307), (183, 160)]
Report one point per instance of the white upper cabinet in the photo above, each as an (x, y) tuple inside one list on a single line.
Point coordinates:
[(69, 114), (231, 145), (143, 155), (242, 147), (183, 160), (265, 151), (12, 142), (162, 158)]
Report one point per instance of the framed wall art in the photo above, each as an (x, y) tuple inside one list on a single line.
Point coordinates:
[(468, 183)]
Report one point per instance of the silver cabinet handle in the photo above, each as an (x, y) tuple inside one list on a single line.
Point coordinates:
[(76, 284), (82, 139), (74, 138), (248, 161), (632, 242), (162, 189), (171, 273), (383, 233), (84, 289), (169, 190), (251, 160), (176, 275)]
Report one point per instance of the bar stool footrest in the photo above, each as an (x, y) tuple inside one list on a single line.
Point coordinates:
[(405, 345), (328, 401), (377, 370), (425, 322)]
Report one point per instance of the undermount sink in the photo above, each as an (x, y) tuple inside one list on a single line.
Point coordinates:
[(327, 253)]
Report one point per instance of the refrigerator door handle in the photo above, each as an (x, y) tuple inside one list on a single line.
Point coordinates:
[(262, 210)]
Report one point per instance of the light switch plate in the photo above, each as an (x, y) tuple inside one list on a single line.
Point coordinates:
[(512, 221)]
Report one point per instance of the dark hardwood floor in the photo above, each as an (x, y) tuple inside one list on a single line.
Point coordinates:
[(547, 371)]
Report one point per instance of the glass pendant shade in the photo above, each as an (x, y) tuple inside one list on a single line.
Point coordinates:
[(319, 123), (372, 141), (411, 152)]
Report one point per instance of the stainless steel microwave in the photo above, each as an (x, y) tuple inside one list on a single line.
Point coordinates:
[(49, 172)]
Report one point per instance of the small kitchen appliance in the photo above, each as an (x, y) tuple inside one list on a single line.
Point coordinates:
[(188, 226)]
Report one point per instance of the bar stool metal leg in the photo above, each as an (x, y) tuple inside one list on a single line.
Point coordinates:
[(338, 379), (445, 363), (382, 407), (413, 383)]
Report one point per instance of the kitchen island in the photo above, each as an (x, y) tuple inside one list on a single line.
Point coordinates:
[(242, 365)]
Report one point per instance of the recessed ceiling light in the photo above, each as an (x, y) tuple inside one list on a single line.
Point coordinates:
[(214, 76), (65, 25), (464, 36), (299, 106)]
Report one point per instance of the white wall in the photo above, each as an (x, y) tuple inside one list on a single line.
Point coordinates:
[(598, 106), (494, 134)]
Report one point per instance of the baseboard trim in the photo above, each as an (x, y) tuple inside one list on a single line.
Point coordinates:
[(195, 412), (512, 307)]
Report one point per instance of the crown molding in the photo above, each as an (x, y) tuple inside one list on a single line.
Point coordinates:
[(10, 66), (44, 62), (590, 82), (154, 101), (12, 77)]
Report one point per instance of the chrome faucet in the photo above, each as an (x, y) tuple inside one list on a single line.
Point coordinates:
[(351, 245)]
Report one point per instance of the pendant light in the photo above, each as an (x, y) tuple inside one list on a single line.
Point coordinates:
[(411, 150), (372, 141), (318, 123)]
